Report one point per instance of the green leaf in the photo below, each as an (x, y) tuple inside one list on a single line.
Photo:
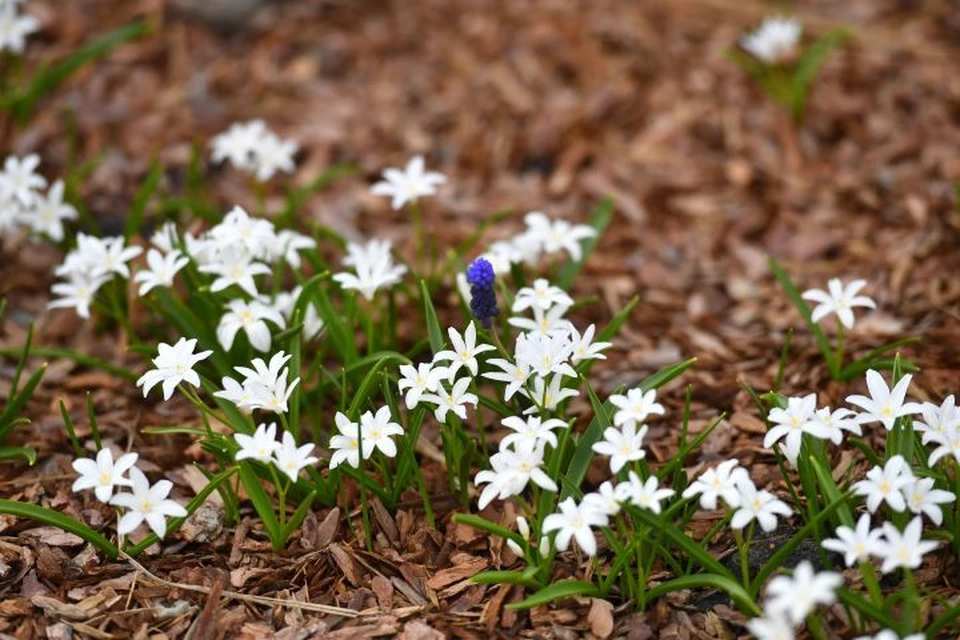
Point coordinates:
[(617, 321), (807, 68), (367, 386), (858, 367), (299, 514), (600, 219), (487, 222), (263, 506), (831, 492), (71, 432), (872, 612), (485, 525), (24, 353), (696, 551), (57, 519), (733, 588), (555, 591), (677, 461), (947, 618), (795, 296), (46, 80), (176, 430), (138, 209), (437, 341), (28, 454), (175, 523), (297, 197), (521, 578), (779, 558), (583, 454), (16, 403), (340, 337)]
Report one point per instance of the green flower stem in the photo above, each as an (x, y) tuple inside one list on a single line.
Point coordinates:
[(191, 395), (815, 626), (871, 582), (909, 620), (838, 354), (260, 191), (281, 496), (117, 306), (424, 497), (364, 506), (417, 215), (480, 426), (743, 544)]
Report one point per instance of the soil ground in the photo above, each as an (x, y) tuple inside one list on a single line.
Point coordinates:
[(529, 105)]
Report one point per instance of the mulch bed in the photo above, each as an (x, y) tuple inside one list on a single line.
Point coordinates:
[(548, 105)]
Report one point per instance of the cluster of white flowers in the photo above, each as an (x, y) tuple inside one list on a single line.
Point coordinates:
[(774, 40), (23, 204), (262, 446), (940, 426), (252, 147), (93, 263), (265, 387), (235, 252), (542, 236), (438, 384), (356, 441), (373, 266), (144, 502), (791, 598), (732, 483), (893, 484), (801, 416), (14, 27)]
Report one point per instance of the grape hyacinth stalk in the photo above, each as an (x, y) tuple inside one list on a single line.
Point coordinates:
[(483, 300)]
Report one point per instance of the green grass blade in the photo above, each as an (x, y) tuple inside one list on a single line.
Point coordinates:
[(696, 551), (555, 591), (28, 454), (600, 219), (733, 588), (779, 558), (807, 68), (340, 337), (519, 578), (138, 209), (56, 519), (583, 453), (872, 612), (366, 387), (81, 359), (797, 299), (485, 525), (175, 523), (299, 514), (16, 403), (262, 504), (71, 432), (437, 341), (48, 79)]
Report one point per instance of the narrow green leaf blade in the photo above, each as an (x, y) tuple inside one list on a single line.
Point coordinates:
[(433, 324), (555, 591), (56, 519), (600, 220)]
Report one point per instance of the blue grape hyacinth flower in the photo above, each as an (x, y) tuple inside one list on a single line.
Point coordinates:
[(483, 302)]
